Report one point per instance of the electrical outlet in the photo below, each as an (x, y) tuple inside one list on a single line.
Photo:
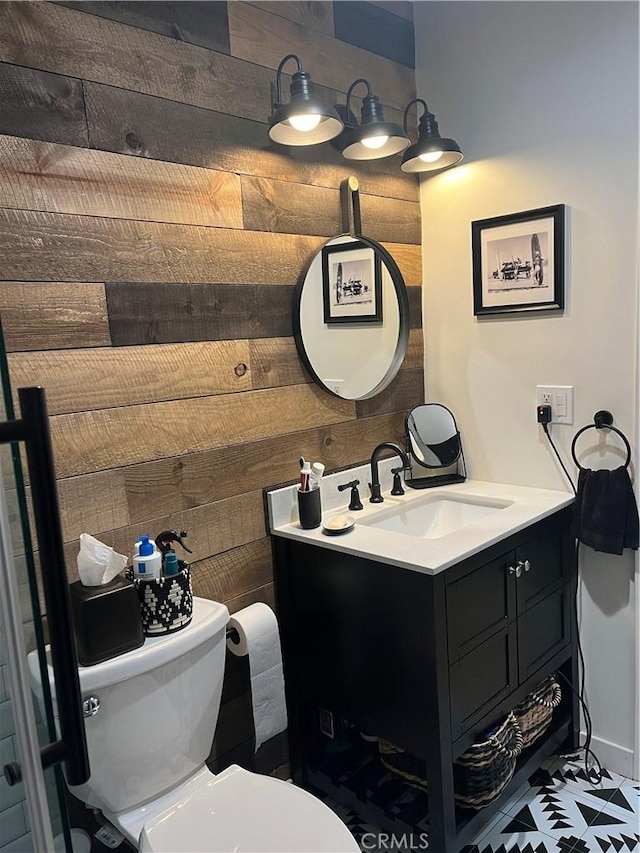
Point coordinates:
[(560, 398)]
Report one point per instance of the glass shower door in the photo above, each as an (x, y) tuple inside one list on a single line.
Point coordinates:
[(33, 815)]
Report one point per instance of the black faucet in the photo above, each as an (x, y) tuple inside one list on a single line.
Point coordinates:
[(374, 485)]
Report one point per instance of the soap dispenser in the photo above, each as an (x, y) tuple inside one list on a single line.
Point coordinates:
[(147, 563), (136, 546)]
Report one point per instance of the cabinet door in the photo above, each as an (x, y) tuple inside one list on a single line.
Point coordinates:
[(543, 631), (541, 569), (478, 604)]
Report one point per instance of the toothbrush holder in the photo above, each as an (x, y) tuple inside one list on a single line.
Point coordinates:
[(310, 509)]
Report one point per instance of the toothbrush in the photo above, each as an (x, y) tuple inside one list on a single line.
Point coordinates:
[(305, 475)]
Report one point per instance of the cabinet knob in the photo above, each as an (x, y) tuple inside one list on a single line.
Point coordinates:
[(526, 565), (516, 570)]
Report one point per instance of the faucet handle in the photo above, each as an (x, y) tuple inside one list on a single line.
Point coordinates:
[(397, 482), (355, 503)]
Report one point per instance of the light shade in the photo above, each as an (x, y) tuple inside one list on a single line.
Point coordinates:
[(305, 120), (431, 151), (374, 137)]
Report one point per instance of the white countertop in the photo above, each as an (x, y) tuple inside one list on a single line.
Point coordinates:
[(428, 555)]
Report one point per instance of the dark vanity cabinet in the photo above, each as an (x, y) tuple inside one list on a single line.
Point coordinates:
[(427, 662)]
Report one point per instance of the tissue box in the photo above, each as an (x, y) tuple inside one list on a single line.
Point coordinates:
[(106, 620)]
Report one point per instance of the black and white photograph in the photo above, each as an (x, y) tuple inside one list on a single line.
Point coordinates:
[(352, 287), (518, 262)]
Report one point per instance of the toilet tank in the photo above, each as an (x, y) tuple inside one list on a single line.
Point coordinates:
[(158, 711)]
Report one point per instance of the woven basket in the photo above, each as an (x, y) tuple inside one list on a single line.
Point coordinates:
[(480, 774), (166, 603), (485, 769), (402, 764), (534, 713)]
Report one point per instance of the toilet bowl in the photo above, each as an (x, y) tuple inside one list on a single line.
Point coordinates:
[(148, 742)]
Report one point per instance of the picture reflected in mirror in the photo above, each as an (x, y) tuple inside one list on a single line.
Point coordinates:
[(352, 283)]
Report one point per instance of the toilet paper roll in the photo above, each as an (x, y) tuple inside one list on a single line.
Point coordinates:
[(259, 638)]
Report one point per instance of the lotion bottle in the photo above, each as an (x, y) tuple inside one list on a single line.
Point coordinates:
[(147, 563)]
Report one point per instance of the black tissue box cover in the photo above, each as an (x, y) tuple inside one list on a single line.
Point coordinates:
[(106, 620)]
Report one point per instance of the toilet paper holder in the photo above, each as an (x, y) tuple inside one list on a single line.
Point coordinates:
[(232, 634)]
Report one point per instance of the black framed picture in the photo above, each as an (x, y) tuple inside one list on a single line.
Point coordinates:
[(518, 261), (352, 283)]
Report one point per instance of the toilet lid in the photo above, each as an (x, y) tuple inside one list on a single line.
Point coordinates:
[(247, 813)]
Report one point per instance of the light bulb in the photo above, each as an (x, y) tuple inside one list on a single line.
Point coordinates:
[(304, 123), (431, 157), (374, 142)]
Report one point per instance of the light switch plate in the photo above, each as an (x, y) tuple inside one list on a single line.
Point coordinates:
[(560, 398)]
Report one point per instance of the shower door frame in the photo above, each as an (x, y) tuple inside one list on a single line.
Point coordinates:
[(31, 770)]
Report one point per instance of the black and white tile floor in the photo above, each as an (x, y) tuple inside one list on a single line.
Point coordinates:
[(558, 810)]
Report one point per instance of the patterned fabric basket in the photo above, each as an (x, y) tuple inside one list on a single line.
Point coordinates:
[(534, 713), (480, 774), (485, 769), (166, 603)]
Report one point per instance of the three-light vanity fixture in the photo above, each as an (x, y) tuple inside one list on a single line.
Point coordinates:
[(306, 120)]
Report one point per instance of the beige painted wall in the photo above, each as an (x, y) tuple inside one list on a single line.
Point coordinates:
[(543, 99)]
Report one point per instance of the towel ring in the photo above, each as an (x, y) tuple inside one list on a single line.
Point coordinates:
[(601, 420)]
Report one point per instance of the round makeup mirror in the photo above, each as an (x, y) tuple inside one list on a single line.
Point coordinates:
[(351, 317), (434, 443), (434, 440)]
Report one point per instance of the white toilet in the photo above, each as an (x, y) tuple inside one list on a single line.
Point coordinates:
[(148, 743)]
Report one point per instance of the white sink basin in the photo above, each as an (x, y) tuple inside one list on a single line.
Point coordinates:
[(434, 516)]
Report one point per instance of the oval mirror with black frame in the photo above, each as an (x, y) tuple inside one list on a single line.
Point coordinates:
[(434, 445), (351, 317)]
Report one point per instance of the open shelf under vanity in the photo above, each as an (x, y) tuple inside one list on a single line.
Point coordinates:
[(358, 780)]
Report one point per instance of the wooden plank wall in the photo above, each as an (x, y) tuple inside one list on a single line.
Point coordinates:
[(150, 239)]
